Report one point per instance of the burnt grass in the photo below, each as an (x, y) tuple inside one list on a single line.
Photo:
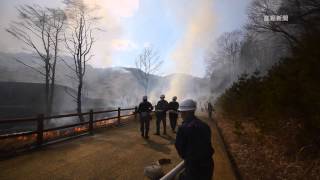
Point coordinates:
[(259, 155)]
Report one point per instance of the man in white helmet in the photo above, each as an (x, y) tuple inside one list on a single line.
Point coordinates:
[(144, 109), (173, 113), (161, 109), (193, 144)]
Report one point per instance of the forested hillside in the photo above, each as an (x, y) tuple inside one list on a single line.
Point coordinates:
[(274, 107)]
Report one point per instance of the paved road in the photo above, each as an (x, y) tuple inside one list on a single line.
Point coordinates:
[(113, 153)]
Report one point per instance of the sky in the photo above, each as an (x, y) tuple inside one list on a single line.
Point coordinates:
[(179, 30)]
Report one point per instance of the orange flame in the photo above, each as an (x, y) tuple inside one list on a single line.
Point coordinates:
[(60, 133)]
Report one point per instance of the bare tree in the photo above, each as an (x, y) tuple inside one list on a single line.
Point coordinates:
[(297, 11), (229, 45), (148, 62), (303, 20), (39, 29), (57, 23), (79, 41)]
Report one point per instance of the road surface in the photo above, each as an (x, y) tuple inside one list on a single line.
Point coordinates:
[(111, 153)]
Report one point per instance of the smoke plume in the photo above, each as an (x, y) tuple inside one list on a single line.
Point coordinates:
[(198, 20)]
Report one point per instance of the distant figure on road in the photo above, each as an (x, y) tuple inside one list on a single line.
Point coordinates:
[(145, 108), (173, 113), (161, 109), (193, 143), (210, 109)]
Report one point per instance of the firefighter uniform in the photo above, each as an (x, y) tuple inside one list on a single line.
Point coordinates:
[(144, 110), (193, 144), (161, 109), (173, 114), (210, 109)]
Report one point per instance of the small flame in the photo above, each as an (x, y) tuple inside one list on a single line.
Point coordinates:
[(106, 123), (22, 138), (51, 134), (80, 129), (59, 133)]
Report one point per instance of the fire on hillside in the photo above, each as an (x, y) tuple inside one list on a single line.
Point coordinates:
[(23, 141)]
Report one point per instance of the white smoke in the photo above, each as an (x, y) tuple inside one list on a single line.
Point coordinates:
[(198, 19), (111, 37)]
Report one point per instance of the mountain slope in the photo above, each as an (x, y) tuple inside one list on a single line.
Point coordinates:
[(113, 87)]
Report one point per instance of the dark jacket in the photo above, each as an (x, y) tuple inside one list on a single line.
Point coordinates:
[(210, 108), (145, 106), (193, 141), (173, 105), (162, 106)]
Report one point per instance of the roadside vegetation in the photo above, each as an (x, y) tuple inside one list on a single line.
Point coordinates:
[(270, 114)]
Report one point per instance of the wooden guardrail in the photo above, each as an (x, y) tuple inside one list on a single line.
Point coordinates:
[(40, 130)]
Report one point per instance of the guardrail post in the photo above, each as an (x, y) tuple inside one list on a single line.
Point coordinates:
[(40, 129), (135, 112), (91, 122), (119, 113)]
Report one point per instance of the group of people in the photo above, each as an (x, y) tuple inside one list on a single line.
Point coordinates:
[(193, 139), (145, 108)]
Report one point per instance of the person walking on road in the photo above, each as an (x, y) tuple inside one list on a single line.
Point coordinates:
[(161, 109), (144, 109), (210, 109), (173, 113), (193, 144)]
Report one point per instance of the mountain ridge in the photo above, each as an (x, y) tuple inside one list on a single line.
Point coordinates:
[(119, 85)]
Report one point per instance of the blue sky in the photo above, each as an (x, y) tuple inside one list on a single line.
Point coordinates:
[(150, 26), (153, 24), (130, 25)]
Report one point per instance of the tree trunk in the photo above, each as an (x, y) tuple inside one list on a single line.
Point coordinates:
[(47, 93), (79, 100), (47, 90), (52, 86)]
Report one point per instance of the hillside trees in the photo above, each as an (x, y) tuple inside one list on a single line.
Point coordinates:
[(39, 29), (43, 29), (287, 94)]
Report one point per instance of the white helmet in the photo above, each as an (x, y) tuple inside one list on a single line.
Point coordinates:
[(162, 96), (174, 98), (188, 105), (144, 98)]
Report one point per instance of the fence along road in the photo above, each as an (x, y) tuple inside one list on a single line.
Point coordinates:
[(40, 121)]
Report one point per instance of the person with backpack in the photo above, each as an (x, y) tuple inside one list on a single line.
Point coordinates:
[(173, 113), (161, 110), (145, 108)]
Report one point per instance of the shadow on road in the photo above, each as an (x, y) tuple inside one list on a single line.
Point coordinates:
[(169, 138), (157, 146)]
